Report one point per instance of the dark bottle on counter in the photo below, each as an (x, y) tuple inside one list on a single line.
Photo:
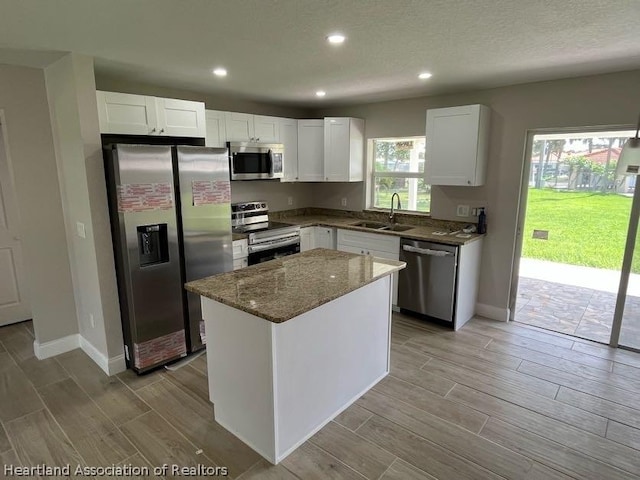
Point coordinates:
[(482, 221)]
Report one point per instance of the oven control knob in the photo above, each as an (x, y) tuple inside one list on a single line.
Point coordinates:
[(264, 205)]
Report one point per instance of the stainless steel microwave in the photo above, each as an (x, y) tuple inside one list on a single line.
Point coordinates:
[(255, 161)]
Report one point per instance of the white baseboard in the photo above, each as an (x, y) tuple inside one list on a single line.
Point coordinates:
[(110, 366), (493, 313), (56, 347)]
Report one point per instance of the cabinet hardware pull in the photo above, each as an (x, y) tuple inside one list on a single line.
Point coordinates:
[(162, 130), (152, 130)]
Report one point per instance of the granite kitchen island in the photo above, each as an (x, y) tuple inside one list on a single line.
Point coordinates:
[(293, 342)]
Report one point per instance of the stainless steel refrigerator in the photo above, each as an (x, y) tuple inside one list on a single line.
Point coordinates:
[(171, 223)]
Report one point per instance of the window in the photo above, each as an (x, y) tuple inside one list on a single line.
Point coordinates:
[(398, 167)]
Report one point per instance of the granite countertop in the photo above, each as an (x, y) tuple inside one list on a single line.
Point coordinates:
[(416, 232), (284, 288)]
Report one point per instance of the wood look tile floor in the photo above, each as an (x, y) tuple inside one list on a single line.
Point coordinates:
[(491, 401)]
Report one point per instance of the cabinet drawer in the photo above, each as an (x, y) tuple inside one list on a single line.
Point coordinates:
[(369, 241), (240, 249)]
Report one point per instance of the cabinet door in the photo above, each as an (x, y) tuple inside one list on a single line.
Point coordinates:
[(336, 149), (216, 131), (456, 145), (289, 138), (239, 127), (324, 237), (266, 129), (310, 150), (181, 118), (239, 263), (306, 239), (126, 114)]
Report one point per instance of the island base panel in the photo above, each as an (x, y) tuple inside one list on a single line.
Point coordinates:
[(275, 384)]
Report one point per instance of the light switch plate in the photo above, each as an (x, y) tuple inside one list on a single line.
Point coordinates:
[(80, 230), (462, 211)]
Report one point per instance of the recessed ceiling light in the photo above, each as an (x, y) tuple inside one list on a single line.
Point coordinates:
[(220, 72), (320, 93), (336, 38), (425, 75)]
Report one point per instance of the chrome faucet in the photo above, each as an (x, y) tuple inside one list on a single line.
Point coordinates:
[(391, 212)]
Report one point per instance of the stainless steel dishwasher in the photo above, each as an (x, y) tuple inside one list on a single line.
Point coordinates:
[(428, 284)]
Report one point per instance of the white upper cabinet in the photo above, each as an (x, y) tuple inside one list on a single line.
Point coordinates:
[(343, 149), (126, 113), (244, 127), (216, 130), (457, 145), (180, 118), (266, 129), (289, 138), (310, 150), (123, 113)]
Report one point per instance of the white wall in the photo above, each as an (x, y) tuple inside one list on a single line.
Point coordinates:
[(74, 117), (611, 99), (23, 97)]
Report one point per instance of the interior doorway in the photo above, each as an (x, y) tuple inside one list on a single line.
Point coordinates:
[(14, 304), (573, 225)]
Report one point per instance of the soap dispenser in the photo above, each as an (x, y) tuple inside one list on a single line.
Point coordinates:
[(482, 222)]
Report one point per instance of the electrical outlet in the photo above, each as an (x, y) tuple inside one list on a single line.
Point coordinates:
[(343, 202), (474, 212), (462, 211), (290, 200), (92, 320)]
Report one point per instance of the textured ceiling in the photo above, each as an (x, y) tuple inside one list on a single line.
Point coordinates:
[(275, 50)]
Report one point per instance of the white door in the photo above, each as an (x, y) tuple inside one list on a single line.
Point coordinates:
[(216, 132), (310, 150), (14, 304), (181, 118), (239, 127), (126, 113), (289, 138), (336, 149), (266, 129)]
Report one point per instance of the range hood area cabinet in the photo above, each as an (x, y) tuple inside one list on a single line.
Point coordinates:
[(127, 114), (457, 145), (244, 127), (331, 150)]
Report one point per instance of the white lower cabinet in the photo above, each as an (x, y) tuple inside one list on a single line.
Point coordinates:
[(376, 245), (306, 239), (324, 237), (317, 237), (240, 254)]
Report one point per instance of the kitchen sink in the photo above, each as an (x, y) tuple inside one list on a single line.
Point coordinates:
[(373, 225), (382, 226), (396, 228)]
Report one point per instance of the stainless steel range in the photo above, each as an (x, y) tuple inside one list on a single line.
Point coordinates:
[(267, 240)]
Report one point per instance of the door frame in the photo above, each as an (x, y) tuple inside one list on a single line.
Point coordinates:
[(524, 194)]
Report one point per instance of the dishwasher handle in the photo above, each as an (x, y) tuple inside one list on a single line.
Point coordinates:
[(427, 251)]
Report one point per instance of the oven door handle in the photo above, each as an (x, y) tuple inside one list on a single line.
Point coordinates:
[(261, 247)]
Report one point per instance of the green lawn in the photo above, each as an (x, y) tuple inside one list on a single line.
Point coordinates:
[(423, 201), (585, 228)]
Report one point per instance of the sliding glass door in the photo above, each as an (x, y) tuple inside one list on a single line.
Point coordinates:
[(626, 323)]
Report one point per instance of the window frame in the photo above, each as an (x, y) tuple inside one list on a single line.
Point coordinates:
[(371, 175)]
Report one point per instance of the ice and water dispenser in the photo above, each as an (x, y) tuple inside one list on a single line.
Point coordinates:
[(153, 245)]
